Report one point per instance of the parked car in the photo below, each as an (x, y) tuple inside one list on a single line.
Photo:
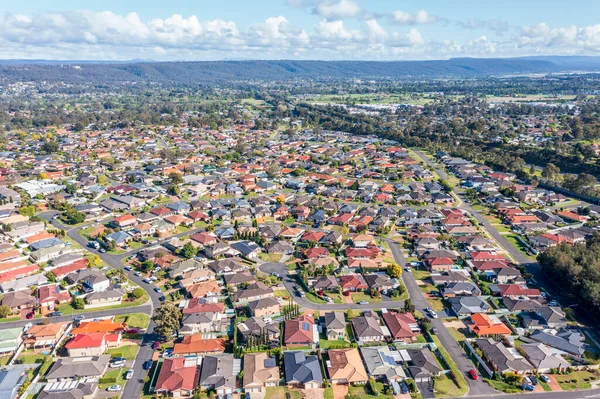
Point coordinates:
[(54, 314), (157, 289), (162, 298), (147, 365), (156, 345), (363, 303), (117, 362), (403, 387), (128, 268), (534, 380), (407, 268), (138, 274), (129, 375), (79, 317), (528, 387), (27, 326), (168, 353), (544, 378), (114, 388), (473, 375), (29, 315)]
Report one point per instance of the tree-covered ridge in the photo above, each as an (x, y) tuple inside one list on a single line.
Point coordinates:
[(214, 71)]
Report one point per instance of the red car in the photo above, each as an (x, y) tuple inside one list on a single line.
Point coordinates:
[(473, 374), (156, 345), (132, 331), (29, 315)]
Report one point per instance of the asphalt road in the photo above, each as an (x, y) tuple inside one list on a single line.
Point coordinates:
[(458, 355), (288, 282), (133, 388)]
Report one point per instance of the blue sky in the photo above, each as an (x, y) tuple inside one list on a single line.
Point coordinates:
[(297, 29)]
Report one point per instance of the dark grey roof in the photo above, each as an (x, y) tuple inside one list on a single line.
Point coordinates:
[(300, 368)]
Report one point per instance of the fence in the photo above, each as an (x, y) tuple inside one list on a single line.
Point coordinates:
[(478, 358)]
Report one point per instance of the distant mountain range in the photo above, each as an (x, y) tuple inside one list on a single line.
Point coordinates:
[(218, 71)]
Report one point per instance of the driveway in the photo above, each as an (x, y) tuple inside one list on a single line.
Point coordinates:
[(314, 393), (339, 391)]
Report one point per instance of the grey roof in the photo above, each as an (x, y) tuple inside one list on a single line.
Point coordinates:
[(72, 367), (335, 320), (502, 357), (217, 371), (367, 326), (468, 305), (543, 357), (300, 368), (462, 288), (11, 380), (113, 294), (422, 363), (564, 340)]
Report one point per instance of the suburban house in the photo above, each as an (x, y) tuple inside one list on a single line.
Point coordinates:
[(301, 331), (196, 344), (44, 336), (93, 344), (422, 364), (74, 368), (335, 325), (484, 325), (346, 367), (501, 358), (402, 326), (302, 371), (260, 371), (367, 328), (383, 363), (178, 377), (219, 373)]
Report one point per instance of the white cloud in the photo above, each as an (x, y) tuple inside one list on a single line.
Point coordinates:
[(337, 9), (565, 39), (375, 32), (335, 31), (422, 17)]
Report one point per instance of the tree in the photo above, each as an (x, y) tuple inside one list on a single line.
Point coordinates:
[(137, 293), (175, 178), (188, 251), (50, 147), (394, 270), (78, 303), (94, 260), (4, 311), (166, 318), (550, 171)]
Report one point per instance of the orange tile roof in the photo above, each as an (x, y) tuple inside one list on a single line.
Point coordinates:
[(484, 325), (195, 344), (106, 326)]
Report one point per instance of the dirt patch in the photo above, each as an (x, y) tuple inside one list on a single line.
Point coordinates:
[(314, 393), (339, 391), (454, 324)]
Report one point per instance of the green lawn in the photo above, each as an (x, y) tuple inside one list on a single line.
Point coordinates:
[(327, 344), (445, 387), (119, 374), (461, 383), (362, 296), (575, 380), (512, 238), (134, 320), (337, 298), (282, 293), (419, 274), (30, 357), (67, 309), (313, 298), (4, 360), (279, 393), (503, 386), (128, 351), (270, 257), (436, 304)]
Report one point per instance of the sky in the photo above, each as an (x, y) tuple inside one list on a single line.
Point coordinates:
[(190, 30)]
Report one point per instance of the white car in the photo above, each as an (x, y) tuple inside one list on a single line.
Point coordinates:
[(114, 388), (118, 364), (129, 375), (138, 274), (363, 303), (27, 327)]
